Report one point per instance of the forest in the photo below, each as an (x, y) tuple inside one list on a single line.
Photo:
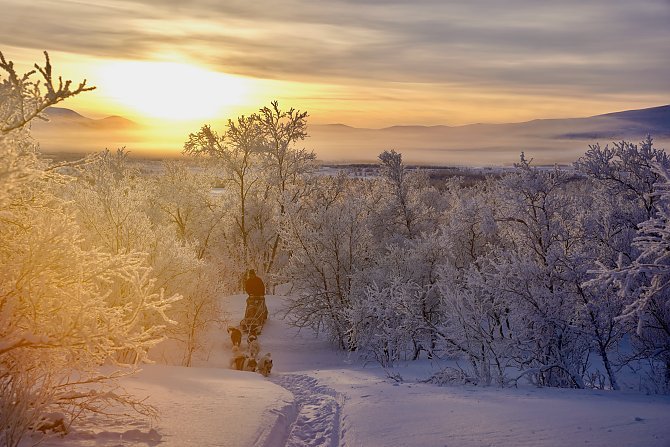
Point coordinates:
[(552, 276)]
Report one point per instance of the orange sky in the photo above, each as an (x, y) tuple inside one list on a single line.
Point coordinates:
[(362, 63)]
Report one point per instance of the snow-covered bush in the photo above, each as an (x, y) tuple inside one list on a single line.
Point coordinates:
[(499, 273), (68, 307), (328, 240), (627, 170), (171, 219), (643, 284), (511, 290), (388, 323)]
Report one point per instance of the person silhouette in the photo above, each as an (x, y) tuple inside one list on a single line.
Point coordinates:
[(254, 285), (256, 312)]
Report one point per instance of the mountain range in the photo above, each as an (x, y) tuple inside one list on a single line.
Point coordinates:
[(62, 117), (545, 140)]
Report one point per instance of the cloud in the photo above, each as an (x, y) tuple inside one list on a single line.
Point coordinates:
[(570, 47)]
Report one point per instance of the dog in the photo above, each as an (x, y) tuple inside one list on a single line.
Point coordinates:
[(52, 422), (254, 346), (235, 336), (265, 365), (238, 360), (250, 364)]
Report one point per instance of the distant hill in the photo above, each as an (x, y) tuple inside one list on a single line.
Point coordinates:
[(654, 116), (59, 117), (67, 132), (60, 113), (547, 141), (654, 121)]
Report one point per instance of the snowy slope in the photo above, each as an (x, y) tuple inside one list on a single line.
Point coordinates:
[(320, 397)]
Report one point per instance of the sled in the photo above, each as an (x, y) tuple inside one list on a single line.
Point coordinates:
[(255, 315)]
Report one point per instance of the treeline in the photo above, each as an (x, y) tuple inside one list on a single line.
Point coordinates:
[(556, 277)]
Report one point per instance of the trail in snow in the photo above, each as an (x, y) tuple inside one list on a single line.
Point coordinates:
[(302, 403), (317, 420)]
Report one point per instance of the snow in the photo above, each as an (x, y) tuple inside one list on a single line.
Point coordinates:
[(202, 406), (318, 396)]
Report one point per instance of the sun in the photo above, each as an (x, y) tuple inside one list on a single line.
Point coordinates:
[(170, 90)]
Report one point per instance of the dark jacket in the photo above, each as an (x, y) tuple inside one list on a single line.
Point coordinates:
[(254, 286)]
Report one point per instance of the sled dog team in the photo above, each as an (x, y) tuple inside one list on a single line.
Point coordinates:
[(244, 361)]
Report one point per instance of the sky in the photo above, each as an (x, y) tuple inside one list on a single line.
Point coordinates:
[(365, 63)]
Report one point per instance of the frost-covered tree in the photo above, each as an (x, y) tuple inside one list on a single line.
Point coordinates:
[(476, 323), (539, 223), (67, 310), (627, 170), (394, 171), (604, 237), (262, 171), (111, 198), (350, 250), (644, 283), (384, 320), (23, 98), (182, 198), (188, 221), (409, 206), (623, 195), (468, 229), (123, 211), (237, 153), (478, 320), (329, 241), (282, 129), (285, 164), (397, 295), (517, 301), (67, 307), (403, 211)]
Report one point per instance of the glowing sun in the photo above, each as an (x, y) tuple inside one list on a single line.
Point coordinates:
[(171, 90)]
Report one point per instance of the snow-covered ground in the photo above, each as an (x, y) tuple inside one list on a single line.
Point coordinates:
[(317, 396)]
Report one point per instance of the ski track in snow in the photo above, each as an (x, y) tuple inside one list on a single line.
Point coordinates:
[(317, 412)]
